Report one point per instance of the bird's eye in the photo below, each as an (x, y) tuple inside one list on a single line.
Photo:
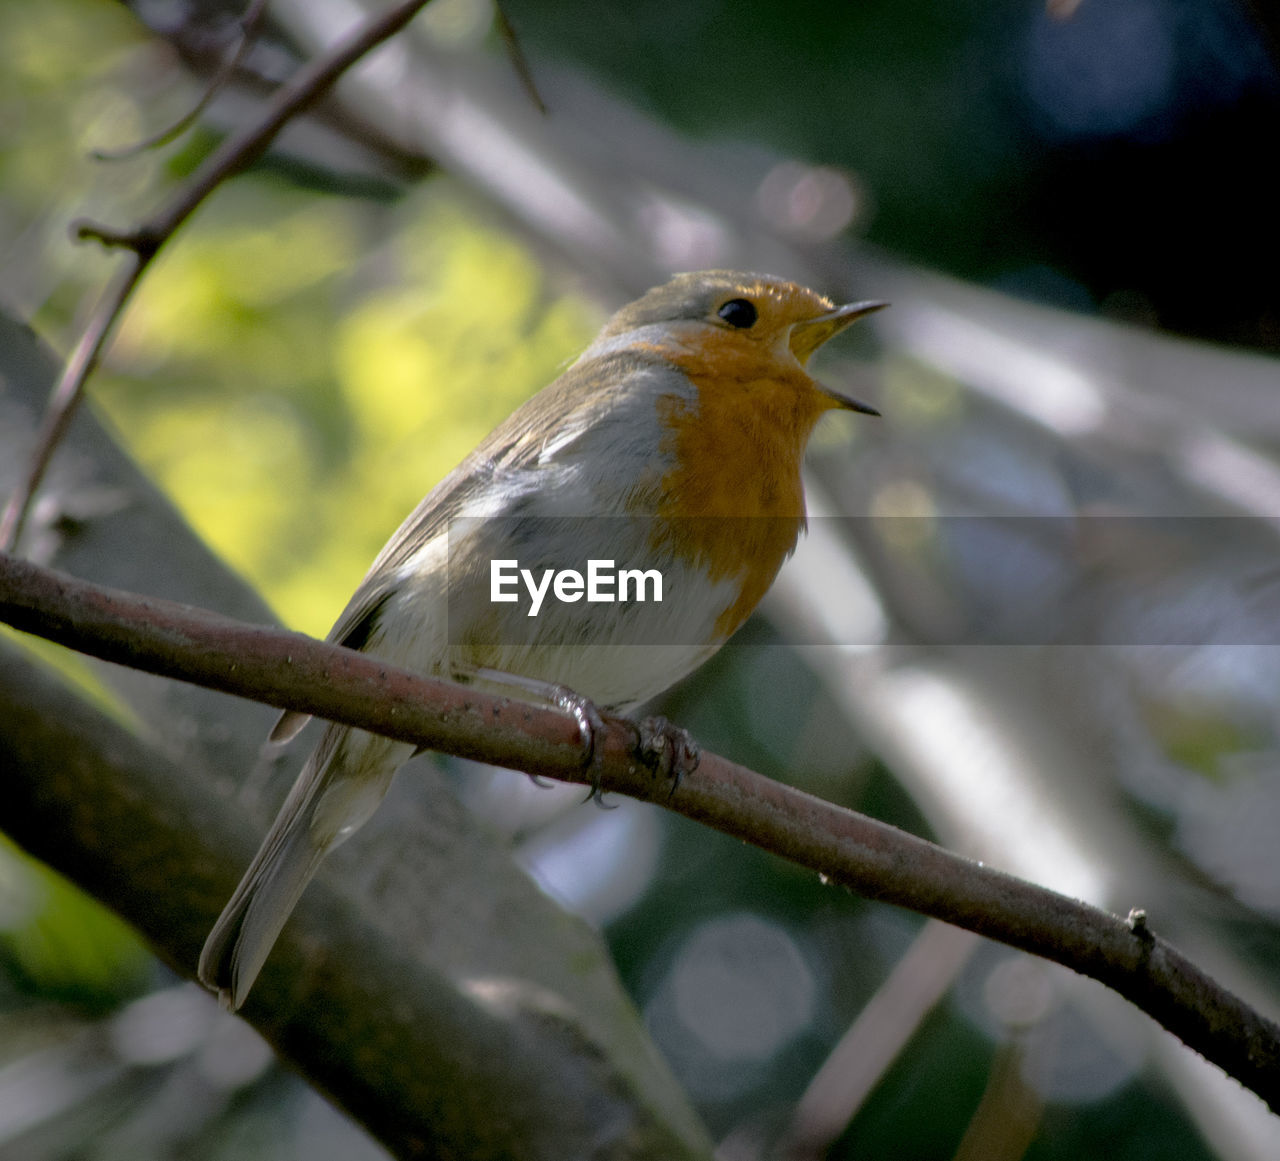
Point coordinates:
[(738, 312)]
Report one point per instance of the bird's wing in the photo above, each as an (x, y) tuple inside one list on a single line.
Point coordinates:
[(540, 436)]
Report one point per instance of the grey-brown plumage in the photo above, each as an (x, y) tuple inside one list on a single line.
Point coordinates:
[(600, 441)]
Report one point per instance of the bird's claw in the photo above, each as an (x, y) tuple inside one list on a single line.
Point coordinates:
[(669, 751), (590, 729)]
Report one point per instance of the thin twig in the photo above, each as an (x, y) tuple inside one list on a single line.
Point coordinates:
[(363, 134), (518, 60), (876, 860), (235, 154), (66, 394), (315, 79), (248, 26), (873, 1042)]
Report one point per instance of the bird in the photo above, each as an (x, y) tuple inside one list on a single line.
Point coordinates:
[(673, 444)]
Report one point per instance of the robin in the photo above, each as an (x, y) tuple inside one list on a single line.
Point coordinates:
[(675, 443)]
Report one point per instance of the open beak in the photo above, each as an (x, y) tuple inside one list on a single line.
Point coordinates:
[(808, 336)]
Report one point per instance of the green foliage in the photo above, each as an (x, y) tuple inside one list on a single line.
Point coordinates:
[(60, 943), (297, 387)]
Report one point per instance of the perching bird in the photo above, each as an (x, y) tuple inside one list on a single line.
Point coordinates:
[(675, 444)]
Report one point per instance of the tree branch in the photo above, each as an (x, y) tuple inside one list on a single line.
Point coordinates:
[(223, 72), (234, 155), (371, 993), (420, 1047), (872, 858)]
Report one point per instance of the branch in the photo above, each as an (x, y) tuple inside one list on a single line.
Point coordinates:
[(225, 70), (518, 60), (404, 1010), (876, 860), (145, 241)]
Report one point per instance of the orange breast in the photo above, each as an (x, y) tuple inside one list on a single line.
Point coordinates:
[(735, 494)]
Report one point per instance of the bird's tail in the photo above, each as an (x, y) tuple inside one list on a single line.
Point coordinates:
[(336, 792)]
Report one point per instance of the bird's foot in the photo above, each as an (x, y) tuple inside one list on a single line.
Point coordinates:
[(590, 730), (583, 710), (669, 751)]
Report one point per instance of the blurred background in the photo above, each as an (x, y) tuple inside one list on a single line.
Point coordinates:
[(1035, 615)]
